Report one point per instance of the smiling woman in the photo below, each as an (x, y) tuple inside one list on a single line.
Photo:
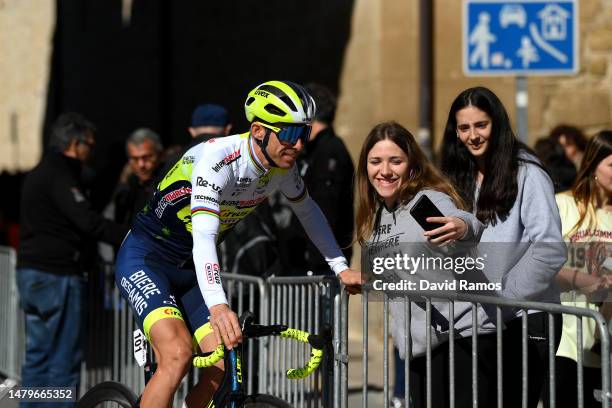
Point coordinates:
[(392, 175), (392, 169), (506, 187), (387, 167)]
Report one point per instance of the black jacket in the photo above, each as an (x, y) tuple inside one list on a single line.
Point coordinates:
[(131, 197), (57, 220), (328, 172)]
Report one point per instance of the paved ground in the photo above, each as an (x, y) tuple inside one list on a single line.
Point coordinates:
[(375, 399)]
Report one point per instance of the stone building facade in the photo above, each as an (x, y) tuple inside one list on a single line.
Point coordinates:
[(379, 80), (380, 77), (26, 29)]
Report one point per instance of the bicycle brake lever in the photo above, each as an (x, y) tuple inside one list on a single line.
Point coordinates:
[(245, 320)]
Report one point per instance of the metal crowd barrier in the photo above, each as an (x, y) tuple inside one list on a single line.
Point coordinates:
[(12, 340), (498, 303), (109, 348), (108, 353), (312, 303)]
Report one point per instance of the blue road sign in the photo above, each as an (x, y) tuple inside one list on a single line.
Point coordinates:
[(521, 37)]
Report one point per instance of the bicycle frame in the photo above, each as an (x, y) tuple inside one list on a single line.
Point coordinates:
[(231, 392)]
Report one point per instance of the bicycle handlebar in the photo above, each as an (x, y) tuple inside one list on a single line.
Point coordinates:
[(204, 361), (316, 342), (315, 356)]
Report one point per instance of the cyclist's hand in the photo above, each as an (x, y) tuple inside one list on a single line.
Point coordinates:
[(352, 280), (453, 229), (225, 325)]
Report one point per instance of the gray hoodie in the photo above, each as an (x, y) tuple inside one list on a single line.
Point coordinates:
[(397, 232), (526, 250)]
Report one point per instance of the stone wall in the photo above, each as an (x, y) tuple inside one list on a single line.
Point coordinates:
[(25, 48), (380, 79)]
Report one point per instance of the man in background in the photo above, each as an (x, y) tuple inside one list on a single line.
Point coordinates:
[(573, 141), (208, 121), (327, 170), (143, 148), (57, 225)]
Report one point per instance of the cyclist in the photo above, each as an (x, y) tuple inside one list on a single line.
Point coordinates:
[(211, 188)]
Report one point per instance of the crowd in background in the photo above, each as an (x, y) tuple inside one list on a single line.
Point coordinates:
[(488, 184)]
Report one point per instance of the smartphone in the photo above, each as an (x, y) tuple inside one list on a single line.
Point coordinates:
[(423, 209)]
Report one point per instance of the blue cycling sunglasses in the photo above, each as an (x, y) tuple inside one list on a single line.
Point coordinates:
[(290, 133)]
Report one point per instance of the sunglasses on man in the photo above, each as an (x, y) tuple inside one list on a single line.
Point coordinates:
[(290, 133)]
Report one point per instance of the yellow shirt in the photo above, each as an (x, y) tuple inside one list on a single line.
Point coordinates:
[(601, 232)]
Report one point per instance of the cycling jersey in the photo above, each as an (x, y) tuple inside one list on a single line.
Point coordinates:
[(211, 188)]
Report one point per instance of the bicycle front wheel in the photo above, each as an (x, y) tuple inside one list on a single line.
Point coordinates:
[(107, 392), (264, 401)]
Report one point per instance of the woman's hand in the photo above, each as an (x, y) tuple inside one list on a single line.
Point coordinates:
[(454, 228)]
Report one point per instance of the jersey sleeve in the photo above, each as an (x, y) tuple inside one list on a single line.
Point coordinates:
[(207, 188), (312, 219)]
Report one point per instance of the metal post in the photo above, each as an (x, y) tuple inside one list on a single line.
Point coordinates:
[(385, 348), (364, 388), (425, 75), (341, 305), (521, 107), (474, 356), (337, 353)]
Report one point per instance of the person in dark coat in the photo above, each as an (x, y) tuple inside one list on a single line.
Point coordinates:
[(328, 171), (57, 223)]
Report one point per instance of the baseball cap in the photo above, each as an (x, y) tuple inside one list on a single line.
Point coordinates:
[(209, 114)]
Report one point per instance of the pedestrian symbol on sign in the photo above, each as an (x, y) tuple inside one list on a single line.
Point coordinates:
[(527, 52), (481, 37)]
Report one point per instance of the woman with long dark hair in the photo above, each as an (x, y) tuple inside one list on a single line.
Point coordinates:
[(586, 219), (392, 175), (504, 185)]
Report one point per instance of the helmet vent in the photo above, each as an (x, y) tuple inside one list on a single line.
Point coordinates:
[(274, 110), (289, 102), (280, 94), (249, 101)]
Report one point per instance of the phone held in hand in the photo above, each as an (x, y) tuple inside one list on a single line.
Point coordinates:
[(423, 209)]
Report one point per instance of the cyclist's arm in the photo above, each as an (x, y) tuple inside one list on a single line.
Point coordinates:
[(207, 186), (312, 219)]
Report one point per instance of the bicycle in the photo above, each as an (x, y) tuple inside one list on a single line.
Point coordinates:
[(231, 393)]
